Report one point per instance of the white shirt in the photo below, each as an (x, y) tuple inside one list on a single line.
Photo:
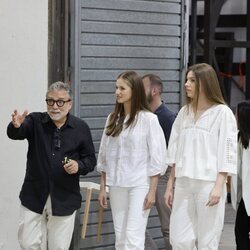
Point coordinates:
[(137, 153), (240, 185), (200, 149)]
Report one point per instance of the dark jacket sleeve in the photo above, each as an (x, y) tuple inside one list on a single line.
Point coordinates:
[(22, 132), (87, 161)]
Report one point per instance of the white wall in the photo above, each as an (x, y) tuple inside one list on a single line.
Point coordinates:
[(23, 78)]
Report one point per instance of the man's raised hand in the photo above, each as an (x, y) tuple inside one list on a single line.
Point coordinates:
[(17, 118)]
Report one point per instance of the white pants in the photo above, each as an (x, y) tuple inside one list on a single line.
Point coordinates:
[(193, 225), (35, 229), (130, 220)]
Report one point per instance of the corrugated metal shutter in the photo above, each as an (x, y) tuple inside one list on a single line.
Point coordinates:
[(109, 37)]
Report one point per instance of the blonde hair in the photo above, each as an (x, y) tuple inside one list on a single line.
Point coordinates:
[(206, 76)]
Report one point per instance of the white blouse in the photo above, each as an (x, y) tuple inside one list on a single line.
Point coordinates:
[(137, 153), (240, 185), (200, 149)]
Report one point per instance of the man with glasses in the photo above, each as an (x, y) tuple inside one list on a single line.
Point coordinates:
[(60, 150)]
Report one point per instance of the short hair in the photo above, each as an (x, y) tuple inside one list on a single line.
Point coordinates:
[(154, 81), (56, 86), (243, 114)]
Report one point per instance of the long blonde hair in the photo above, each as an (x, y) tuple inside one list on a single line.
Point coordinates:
[(138, 102), (206, 76)]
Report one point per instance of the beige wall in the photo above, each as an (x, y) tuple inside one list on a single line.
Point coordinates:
[(23, 78)]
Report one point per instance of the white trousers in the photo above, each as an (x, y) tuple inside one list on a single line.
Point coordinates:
[(45, 231), (130, 220), (193, 225)]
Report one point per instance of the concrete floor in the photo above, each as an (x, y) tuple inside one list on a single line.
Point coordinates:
[(227, 238)]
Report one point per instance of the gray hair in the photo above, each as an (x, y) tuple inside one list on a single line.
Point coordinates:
[(56, 86)]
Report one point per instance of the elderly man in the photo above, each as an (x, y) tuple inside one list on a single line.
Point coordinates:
[(60, 150)]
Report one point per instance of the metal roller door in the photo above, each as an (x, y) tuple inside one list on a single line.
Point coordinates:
[(106, 38)]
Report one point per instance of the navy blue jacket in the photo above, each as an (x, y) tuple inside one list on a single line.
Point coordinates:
[(166, 119)]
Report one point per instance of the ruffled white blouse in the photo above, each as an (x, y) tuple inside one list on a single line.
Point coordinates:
[(136, 154), (202, 148)]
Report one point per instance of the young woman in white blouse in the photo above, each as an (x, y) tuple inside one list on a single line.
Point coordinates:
[(202, 151), (131, 157), (241, 183)]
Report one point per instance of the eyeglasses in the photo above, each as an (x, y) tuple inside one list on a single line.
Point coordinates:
[(59, 103)]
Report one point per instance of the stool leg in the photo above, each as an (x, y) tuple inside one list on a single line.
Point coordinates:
[(86, 213), (99, 228)]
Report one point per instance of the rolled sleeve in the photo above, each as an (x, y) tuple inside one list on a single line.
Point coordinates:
[(173, 141), (101, 160), (157, 148), (23, 131)]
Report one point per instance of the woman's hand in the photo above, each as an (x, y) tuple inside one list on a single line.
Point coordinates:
[(215, 194), (149, 200), (102, 198), (169, 197), (169, 193)]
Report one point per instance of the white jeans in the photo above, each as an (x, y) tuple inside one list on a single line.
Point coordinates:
[(193, 225), (130, 220), (35, 229)]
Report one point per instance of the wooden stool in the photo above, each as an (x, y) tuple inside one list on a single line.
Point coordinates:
[(90, 187)]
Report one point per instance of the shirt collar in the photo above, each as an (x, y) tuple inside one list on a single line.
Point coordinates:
[(69, 122), (159, 109)]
